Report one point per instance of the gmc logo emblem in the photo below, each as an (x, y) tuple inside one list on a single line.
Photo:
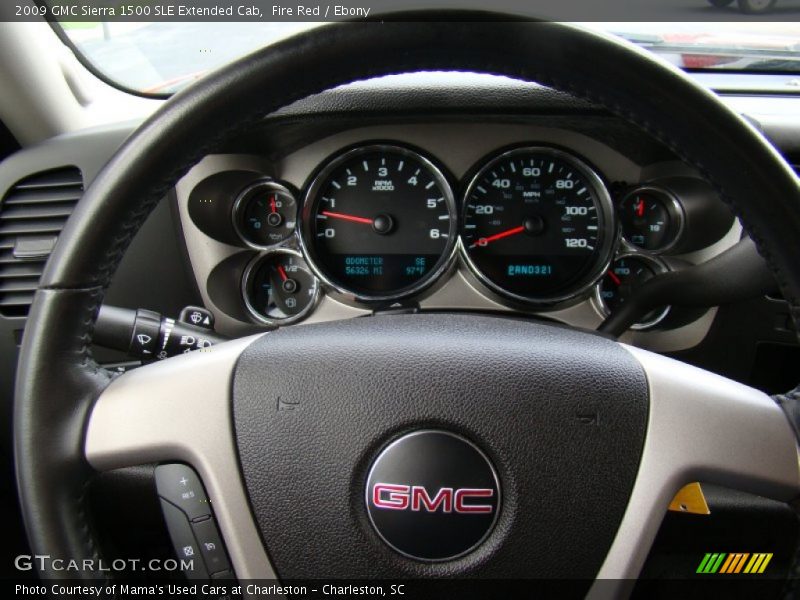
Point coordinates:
[(415, 497)]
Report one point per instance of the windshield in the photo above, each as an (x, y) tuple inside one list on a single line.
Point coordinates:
[(162, 57)]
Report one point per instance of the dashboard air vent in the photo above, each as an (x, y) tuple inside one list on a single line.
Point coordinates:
[(32, 214)]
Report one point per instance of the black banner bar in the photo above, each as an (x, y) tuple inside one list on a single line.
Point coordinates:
[(266, 11)]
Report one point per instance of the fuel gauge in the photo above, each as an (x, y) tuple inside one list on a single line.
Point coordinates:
[(625, 274), (278, 288)]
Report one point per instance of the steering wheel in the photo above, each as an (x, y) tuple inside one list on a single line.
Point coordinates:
[(576, 443)]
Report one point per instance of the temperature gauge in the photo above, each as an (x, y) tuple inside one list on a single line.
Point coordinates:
[(625, 274), (651, 219), (265, 214), (278, 288)]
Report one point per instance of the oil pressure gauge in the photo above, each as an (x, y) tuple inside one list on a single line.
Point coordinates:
[(278, 288)]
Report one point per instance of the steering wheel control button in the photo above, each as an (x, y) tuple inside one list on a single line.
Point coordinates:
[(211, 546), (180, 485), (183, 541), (224, 576), (433, 495), (197, 317), (191, 524)]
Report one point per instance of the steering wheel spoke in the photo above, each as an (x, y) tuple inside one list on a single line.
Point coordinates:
[(701, 427), (180, 410)]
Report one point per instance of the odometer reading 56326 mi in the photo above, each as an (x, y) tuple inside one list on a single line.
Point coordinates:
[(379, 222), (537, 225)]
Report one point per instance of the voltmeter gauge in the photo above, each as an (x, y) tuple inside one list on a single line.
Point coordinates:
[(626, 273), (651, 219), (265, 214), (278, 288)]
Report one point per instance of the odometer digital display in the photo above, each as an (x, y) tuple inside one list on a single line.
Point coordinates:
[(379, 222), (537, 225)]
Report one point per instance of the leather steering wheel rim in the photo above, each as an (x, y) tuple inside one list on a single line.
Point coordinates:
[(57, 379)]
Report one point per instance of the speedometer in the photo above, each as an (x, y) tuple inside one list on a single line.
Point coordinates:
[(537, 225), (379, 223)]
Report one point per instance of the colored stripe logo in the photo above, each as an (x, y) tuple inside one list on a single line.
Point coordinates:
[(734, 563)]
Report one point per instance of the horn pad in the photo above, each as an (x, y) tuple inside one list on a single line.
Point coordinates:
[(554, 417)]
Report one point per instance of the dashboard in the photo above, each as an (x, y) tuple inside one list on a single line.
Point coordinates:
[(197, 250), (501, 217)]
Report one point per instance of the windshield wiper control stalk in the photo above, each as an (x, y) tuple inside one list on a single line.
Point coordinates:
[(148, 335)]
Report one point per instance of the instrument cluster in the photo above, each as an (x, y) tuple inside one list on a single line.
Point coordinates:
[(534, 226)]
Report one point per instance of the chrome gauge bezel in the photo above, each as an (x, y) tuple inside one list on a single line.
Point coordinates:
[(244, 286), (675, 209), (306, 237), (659, 266), (238, 206), (603, 255)]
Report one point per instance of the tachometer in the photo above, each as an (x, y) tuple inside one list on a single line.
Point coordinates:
[(379, 223), (537, 225)]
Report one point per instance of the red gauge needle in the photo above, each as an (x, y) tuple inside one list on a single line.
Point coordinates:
[(639, 208), (498, 236), (614, 277), (272, 203), (344, 217), (282, 273)]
